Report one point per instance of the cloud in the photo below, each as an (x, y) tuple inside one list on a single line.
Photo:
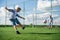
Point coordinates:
[(57, 21), (39, 18), (30, 18), (44, 4), (4, 16), (42, 15), (2, 11)]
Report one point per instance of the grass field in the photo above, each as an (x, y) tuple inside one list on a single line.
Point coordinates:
[(37, 33)]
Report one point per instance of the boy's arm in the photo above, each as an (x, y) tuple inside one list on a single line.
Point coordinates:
[(20, 17), (8, 9)]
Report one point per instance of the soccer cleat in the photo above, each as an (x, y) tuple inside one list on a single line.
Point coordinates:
[(17, 32), (23, 28)]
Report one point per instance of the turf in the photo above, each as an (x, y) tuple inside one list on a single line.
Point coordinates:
[(37, 33)]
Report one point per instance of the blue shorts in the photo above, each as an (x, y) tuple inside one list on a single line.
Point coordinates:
[(15, 21), (51, 23)]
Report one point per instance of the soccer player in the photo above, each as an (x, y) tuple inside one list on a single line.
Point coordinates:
[(50, 21), (14, 19)]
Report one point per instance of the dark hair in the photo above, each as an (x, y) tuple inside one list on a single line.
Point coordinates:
[(19, 8)]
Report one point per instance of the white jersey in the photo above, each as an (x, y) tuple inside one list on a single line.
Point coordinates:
[(13, 15), (50, 19)]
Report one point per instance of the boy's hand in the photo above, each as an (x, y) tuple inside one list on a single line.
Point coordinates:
[(5, 7), (24, 18)]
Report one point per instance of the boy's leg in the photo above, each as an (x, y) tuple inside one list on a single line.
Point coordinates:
[(15, 28), (19, 24), (51, 24)]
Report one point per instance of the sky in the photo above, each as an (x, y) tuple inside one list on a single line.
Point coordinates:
[(34, 11)]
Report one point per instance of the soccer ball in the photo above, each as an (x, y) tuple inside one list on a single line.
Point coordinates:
[(45, 21)]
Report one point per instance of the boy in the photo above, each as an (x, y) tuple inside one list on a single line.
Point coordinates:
[(50, 21), (14, 19)]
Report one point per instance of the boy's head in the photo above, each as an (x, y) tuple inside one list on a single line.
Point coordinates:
[(50, 15), (18, 9)]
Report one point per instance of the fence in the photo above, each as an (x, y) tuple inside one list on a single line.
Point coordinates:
[(34, 11)]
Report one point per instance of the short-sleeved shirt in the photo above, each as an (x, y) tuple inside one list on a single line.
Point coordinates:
[(50, 19), (14, 14)]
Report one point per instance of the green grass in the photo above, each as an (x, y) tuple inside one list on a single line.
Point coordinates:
[(37, 33)]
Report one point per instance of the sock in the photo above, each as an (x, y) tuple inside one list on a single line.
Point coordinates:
[(15, 28)]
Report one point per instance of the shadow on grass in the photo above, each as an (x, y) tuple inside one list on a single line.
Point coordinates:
[(42, 33)]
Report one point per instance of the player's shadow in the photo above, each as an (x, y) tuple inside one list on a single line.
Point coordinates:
[(41, 33)]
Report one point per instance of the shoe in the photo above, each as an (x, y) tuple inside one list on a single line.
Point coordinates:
[(18, 32), (23, 28)]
